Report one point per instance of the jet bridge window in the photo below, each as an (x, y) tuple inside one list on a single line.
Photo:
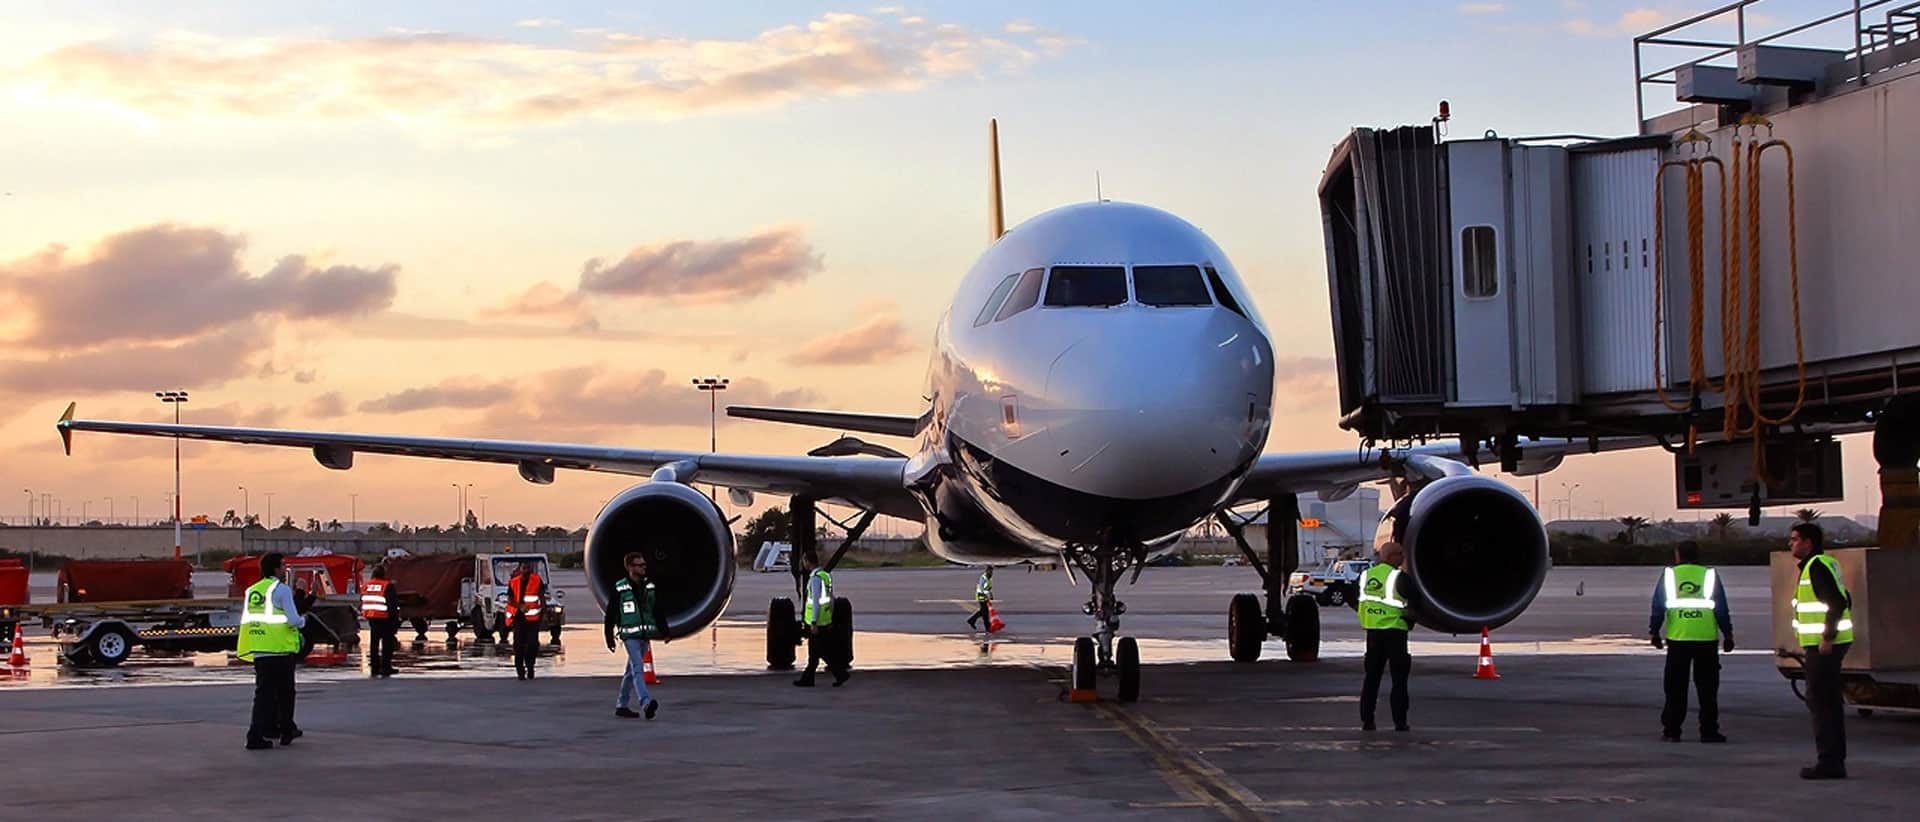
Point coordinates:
[(1024, 295), (1169, 285), (1221, 293), (993, 302), (1095, 286), (1479, 262)]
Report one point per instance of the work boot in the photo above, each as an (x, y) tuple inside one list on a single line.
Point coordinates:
[(625, 713), (653, 707), (840, 678), (1713, 737), (803, 682), (259, 745), (1366, 726), (1669, 736), (288, 737), (1822, 772), (1402, 727)]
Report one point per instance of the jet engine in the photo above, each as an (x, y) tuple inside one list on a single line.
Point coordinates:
[(1476, 552), (688, 547)]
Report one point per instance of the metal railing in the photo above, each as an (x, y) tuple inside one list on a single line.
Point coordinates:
[(1865, 40)]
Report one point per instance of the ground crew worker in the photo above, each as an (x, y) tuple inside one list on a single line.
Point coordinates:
[(1692, 606), (636, 616), (983, 597), (383, 622), (1383, 613), (1823, 622), (817, 623), (526, 598), (270, 624)]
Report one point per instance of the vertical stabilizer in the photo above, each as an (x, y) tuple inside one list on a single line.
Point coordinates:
[(997, 214)]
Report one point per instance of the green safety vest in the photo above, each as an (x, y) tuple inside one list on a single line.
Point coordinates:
[(1380, 604), (983, 590), (263, 629), (1810, 614), (636, 610), (1689, 593), (819, 611)]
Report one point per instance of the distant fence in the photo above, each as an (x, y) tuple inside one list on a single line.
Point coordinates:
[(108, 542)]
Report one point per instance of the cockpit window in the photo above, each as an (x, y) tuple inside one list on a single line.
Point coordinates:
[(1221, 293), (1096, 286), (1167, 285), (1023, 296), (993, 302)]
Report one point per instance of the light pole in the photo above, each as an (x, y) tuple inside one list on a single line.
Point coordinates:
[(353, 509), (483, 512), (29, 493), (109, 510), (459, 504), (175, 399), (83, 510), (246, 506), (269, 510), (1571, 513), (136, 513), (713, 386)]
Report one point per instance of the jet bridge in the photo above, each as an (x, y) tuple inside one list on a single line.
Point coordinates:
[(1734, 278)]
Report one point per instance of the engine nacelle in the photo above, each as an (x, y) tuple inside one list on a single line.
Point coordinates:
[(688, 547), (1476, 552)]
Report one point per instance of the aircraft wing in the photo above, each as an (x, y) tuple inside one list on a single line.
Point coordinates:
[(865, 481), (1337, 471)]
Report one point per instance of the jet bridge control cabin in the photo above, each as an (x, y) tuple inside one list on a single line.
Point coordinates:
[(1736, 280)]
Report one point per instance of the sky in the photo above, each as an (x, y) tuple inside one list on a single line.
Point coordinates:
[(540, 221)]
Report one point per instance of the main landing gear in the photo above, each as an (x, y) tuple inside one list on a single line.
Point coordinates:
[(1104, 650), (1295, 619), (783, 615)]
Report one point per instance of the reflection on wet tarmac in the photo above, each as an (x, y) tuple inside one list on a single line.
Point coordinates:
[(730, 647)]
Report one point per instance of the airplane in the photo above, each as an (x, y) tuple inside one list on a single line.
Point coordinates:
[(1100, 384)]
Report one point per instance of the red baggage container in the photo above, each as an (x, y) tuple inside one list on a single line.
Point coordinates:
[(103, 580), (429, 584), (342, 570), (13, 583)]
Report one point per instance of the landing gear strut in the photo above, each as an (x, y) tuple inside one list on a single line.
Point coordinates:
[(1103, 566), (783, 623), (1295, 619)]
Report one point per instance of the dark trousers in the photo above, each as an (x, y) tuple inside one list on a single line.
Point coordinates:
[(1825, 702), (526, 646), (272, 697), (1701, 659), (981, 615), (1386, 648), (821, 646), (386, 637)]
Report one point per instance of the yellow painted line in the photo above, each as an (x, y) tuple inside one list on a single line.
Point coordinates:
[(1187, 772)]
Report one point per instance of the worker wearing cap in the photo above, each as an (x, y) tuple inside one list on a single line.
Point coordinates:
[(636, 616), (1692, 622), (526, 599), (983, 598), (1383, 613), (816, 622), (1823, 623), (383, 622), (270, 624)]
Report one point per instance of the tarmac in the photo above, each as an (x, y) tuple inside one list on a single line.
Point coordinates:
[(933, 725)]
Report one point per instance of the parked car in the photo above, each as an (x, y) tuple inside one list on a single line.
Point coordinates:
[(1336, 583)]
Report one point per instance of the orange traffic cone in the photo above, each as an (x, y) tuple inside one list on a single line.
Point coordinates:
[(993, 619), (646, 666), (18, 659), (1485, 670)]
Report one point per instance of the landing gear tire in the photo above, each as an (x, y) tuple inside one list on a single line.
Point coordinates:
[(1246, 628), (1128, 657), (1082, 676), (1303, 628), (783, 634), (843, 630)]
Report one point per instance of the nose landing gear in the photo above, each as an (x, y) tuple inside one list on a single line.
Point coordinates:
[(1102, 566)]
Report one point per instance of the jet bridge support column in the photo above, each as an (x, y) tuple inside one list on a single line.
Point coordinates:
[(1283, 557), (1896, 447)]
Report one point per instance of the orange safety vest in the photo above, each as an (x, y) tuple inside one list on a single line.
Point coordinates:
[(523, 598), (373, 599)]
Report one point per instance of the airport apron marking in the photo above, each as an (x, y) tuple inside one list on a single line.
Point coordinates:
[(1187, 771)]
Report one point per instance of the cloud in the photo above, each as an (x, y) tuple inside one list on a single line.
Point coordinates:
[(464, 392), (1305, 384), (546, 300), (878, 339), (204, 361), (1019, 27), (326, 406), (705, 271), (168, 282), (1633, 22), (1482, 8), (506, 83), (538, 23)]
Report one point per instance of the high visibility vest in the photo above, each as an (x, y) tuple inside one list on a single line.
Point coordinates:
[(523, 598), (1810, 614), (263, 628), (1689, 594), (819, 610), (1380, 603), (636, 610), (983, 590), (373, 599)]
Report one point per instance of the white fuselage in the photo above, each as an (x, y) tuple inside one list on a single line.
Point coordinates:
[(1091, 384)]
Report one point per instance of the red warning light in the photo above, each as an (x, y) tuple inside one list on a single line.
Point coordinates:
[(1693, 498), (1446, 111)]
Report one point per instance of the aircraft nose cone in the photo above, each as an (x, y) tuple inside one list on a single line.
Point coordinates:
[(1163, 410)]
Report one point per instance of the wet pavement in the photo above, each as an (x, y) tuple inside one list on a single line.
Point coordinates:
[(916, 619)]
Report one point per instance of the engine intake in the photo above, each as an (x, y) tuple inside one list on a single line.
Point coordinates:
[(688, 547), (1476, 552)]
